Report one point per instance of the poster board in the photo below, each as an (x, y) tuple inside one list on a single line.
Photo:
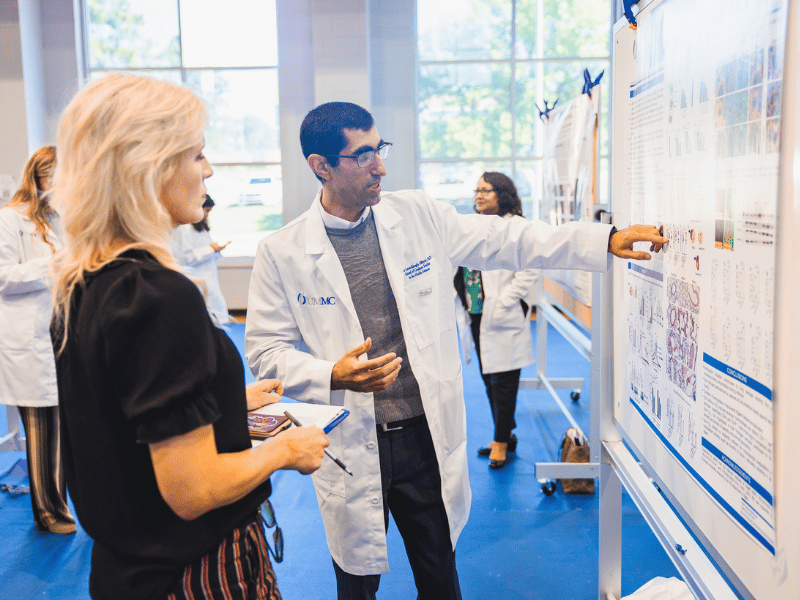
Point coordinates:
[(703, 141), (570, 176)]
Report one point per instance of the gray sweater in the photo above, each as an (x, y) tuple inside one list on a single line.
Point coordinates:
[(361, 259)]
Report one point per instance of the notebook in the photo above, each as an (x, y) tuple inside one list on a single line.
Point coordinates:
[(262, 427), (324, 416)]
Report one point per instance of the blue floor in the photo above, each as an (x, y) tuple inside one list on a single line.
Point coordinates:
[(518, 543)]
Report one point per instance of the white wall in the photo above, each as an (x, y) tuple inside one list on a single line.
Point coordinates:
[(32, 50), (360, 51), (14, 129), (38, 75), (296, 97), (394, 94), (62, 70)]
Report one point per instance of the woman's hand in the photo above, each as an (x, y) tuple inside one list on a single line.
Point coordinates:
[(219, 247), (305, 447), (260, 393)]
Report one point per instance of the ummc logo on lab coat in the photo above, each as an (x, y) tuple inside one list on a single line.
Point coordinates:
[(321, 301)]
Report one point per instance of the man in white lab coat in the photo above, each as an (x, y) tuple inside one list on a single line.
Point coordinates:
[(351, 304)]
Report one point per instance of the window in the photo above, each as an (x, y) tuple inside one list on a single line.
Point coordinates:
[(484, 67), (226, 52)]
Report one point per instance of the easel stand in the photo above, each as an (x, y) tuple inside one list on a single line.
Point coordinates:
[(547, 316)]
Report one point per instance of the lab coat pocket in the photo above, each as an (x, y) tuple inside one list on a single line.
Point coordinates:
[(453, 420), (19, 371), (422, 308), (328, 479), (507, 317), (19, 314)]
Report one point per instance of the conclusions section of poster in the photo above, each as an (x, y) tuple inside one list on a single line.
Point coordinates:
[(703, 108)]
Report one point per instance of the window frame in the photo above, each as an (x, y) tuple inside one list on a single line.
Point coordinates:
[(183, 71), (518, 163)]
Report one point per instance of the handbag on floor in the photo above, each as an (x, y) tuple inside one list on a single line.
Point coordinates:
[(574, 449)]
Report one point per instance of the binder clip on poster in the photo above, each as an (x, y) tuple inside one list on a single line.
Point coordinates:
[(544, 115), (588, 84), (628, 10)]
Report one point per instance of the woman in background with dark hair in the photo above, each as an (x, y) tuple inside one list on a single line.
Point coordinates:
[(29, 236), (498, 303), (197, 255)]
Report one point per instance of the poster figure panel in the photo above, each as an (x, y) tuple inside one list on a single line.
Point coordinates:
[(697, 142)]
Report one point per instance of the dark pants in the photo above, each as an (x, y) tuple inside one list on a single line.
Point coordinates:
[(42, 443), (412, 491), (501, 388)]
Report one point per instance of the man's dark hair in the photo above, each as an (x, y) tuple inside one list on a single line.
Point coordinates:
[(322, 131), (507, 198)]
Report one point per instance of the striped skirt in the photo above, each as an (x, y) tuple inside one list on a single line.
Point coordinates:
[(239, 569)]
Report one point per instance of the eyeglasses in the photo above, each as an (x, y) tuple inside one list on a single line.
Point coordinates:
[(268, 515), (367, 157), (483, 192)]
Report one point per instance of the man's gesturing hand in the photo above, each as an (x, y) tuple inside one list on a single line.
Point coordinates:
[(365, 375), (621, 242)]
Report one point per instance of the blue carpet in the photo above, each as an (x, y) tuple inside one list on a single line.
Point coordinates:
[(518, 543)]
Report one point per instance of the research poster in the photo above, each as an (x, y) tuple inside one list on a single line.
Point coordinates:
[(570, 152), (702, 106)]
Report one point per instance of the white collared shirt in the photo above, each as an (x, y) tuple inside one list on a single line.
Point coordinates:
[(334, 222)]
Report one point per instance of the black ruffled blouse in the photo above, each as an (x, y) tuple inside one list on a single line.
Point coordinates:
[(143, 363)]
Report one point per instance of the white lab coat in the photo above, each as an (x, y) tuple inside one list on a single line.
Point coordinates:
[(27, 366), (301, 320), (193, 253), (505, 334)]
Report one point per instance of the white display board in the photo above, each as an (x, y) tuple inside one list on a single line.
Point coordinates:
[(568, 164), (699, 108)]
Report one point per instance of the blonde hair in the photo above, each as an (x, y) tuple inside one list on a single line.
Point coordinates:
[(119, 141), (30, 197)]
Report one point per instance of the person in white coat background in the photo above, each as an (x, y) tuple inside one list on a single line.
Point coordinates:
[(197, 255), (351, 305), (499, 304), (29, 236)]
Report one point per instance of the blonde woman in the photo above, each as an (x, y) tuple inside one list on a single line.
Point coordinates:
[(28, 239), (156, 450)]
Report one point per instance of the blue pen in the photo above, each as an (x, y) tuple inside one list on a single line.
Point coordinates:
[(331, 456)]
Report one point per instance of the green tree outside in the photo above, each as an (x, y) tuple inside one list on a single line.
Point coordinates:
[(118, 38), (465, 108)]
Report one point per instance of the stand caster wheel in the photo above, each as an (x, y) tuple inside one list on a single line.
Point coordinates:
[(575, 395), (549, 488)]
